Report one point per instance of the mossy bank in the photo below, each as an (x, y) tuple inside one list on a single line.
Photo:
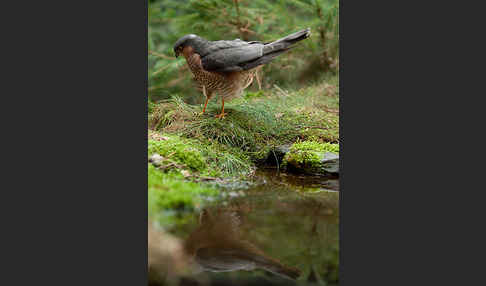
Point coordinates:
[(187, 149)]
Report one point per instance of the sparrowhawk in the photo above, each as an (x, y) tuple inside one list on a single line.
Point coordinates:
[(228, 67)]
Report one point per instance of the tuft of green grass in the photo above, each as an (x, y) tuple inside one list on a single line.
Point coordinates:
[(170, 114), (225, 160)]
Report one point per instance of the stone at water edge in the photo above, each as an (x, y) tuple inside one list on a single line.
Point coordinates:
[(330, 163), (281, 150), (276, 155)]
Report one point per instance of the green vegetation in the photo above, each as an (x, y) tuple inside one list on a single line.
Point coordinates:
[(194, 147), (298, 101), (257, 122), (307, 155), (314, 146), (195, 158), (176, 151), (170, 191)]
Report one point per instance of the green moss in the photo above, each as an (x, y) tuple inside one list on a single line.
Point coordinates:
[(170, 191), (315, 146), (256, 123), (308, 153), (178, 151), (200, 158)]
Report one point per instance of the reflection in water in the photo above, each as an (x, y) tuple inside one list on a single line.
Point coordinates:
[(220, 245), (272, 227)]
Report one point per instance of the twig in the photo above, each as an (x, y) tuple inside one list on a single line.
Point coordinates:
[(170, 155), (207, 178), (160, 70), (257, 75), (247, 30), (276, 160), (281, 90), (161, 55), (238, 15), (330, 110), (163, 167), (316, 127)]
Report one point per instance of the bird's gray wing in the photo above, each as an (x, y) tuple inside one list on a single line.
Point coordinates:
[(226, 56), (214, 46)]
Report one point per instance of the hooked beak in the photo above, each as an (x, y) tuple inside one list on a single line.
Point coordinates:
[(176, 54)]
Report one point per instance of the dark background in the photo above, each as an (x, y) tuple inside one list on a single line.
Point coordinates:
[(76, 171)]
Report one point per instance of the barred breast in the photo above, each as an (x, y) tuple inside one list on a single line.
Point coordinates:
[(227, 85)]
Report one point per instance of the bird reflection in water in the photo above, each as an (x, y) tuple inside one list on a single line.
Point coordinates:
[(219, 245)]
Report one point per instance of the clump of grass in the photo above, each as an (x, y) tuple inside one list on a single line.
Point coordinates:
[(247, 127), (170, 114), (226, 161), (313, 112)]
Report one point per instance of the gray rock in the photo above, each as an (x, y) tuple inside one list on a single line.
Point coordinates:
[(276, 155), (330, 163), (282, 149), (156, 159)]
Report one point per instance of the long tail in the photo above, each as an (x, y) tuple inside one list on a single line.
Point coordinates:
[(275, 48), (281, 45)]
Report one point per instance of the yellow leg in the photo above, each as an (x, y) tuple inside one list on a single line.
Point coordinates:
[(204, 109), (221, 116)]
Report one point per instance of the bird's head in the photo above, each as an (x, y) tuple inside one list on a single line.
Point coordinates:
[(187, 40)]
